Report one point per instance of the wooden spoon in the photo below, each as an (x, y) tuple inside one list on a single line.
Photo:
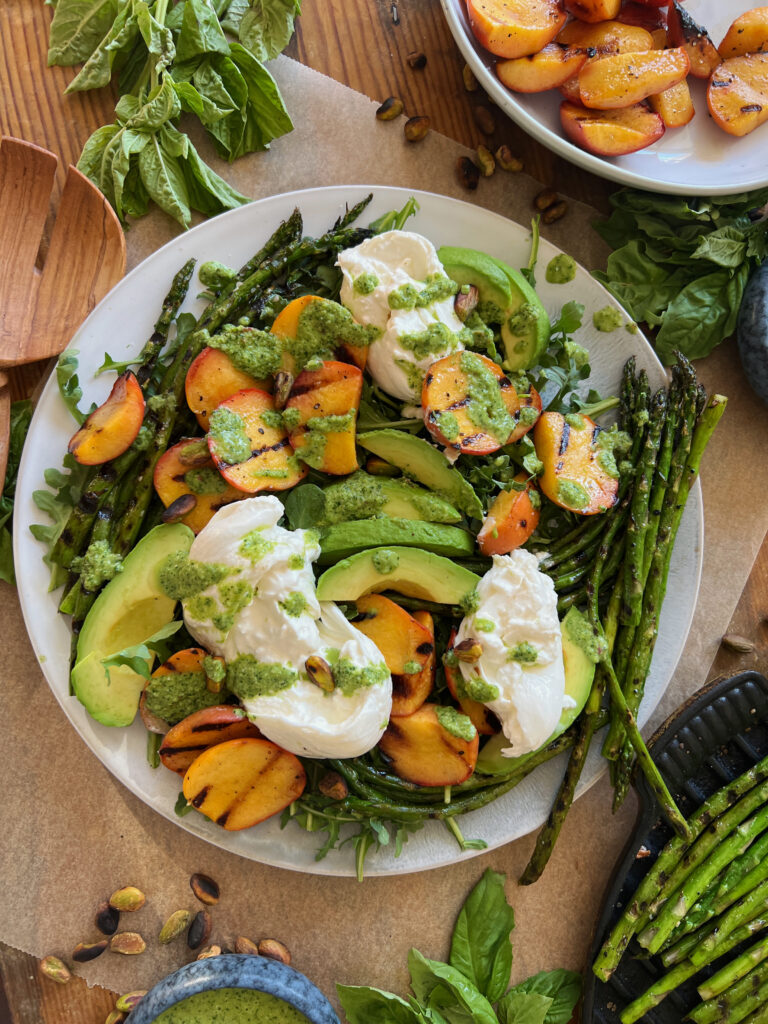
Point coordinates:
[(40, 310)]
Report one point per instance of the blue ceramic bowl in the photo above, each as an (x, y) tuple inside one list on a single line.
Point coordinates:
[(231, 970)]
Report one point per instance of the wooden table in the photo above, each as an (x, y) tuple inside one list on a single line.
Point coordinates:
[(364, 44)]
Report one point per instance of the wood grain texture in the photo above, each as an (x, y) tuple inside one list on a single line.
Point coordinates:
[(359, 43)]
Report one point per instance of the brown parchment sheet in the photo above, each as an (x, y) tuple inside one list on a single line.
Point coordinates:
[(71, 833)]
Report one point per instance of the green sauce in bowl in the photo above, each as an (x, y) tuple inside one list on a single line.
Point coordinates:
[(231, 1006)]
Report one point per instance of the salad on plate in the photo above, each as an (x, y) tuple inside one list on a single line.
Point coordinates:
[(356, 547)]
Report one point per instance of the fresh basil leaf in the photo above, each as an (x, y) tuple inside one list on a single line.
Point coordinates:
[(77, 28), (524, 1008), (96, 159), (372, 1006), (757, 241), (161, 106), (69, 383), (163, 179), (480, 946), (727, 247), (561, 986), (266, 115), (200, 31), (129, 143), (266, 27), (234, 15), (701, 315), (640, 285), (21, 415), (208, 192), (118, 43), (157, 37), (447, 990)]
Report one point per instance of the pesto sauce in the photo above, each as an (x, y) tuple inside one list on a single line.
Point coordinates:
[(290, 418), (561, 269), (385, 561), (310, 448), (524, 652), (231, 1006), (360, 496), (607, 319), (572, 495), (485, 625), (272, 418), (323, 326), (410, 668), (295, 604), (470, 602), (437, 337), (489, 312), (413, 375), (174, 695), (365, 283), (478, 689), (583, 635), (523, 319), (436, 288), (229, 436), (486, 408), (254, 545), (575, 421), (234, 597), (250, 350), (98, 565), (349, 678), (332, 424), (611, 443), (248, 678), (480, 335), (215, 275), (456, 724), (180, 577), (214, 668), (205, 481), (448, 425)]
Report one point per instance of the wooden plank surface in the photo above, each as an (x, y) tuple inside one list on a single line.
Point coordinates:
[(365, 44)]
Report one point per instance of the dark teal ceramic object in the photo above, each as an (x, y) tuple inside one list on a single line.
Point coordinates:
[(230, 970)]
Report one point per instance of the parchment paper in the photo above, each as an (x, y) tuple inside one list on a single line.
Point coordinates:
[(72, 834)]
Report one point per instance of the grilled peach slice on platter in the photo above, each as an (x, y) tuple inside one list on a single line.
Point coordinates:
[(420, 750), (187, 469), (510, 520), (737, 94), (611, 132), (410, 691), (241, 782), (574, 477), (606, 37), (286, 325), (623, 79), (547, 69), (683, 31), (593, 10), (321, 412), (483, 719), (111, 429), (748, 34), (515, 28), (648, 16), (212, 378), (203, 729), (249, 445), (404, 642), (674, 106)]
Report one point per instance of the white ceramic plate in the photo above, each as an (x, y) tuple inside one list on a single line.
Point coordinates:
[(124, 320), (700, 159)]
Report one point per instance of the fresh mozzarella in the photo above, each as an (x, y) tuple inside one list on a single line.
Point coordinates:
[(278, 564), (516, 618), (394, 259)]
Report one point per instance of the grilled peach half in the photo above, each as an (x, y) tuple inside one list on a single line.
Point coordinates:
[(212, 378), (510, 520), (203, 729), (404, 643), (547, 69), (241, 782), (593, 10), (111, 429), (187, 469), (606, 37), (573, 476), (623, 79), (737, 95), (684, 32), (321, 411), (515, 28), (674, 106), (483, 719), (611, 132), (748, 34), (410, 691), (420, 750)]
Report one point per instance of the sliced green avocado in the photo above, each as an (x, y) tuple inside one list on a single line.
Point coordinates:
[(345, 539), (409, 571), (579, 675), (362, 496), (505, 298), (425, 464), (129, 610)]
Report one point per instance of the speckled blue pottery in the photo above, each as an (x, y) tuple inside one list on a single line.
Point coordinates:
[(230, 970)]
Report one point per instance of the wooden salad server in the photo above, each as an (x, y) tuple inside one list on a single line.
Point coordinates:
[(40, 309)]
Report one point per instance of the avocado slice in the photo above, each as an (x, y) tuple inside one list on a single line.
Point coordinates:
[(418, 459), (345, 539), (409, 571), (524, 321), (131, 608), (579, 675), (362, 496)]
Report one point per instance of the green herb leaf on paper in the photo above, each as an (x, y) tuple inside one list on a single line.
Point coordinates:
[(372, 1006), (523, 1008), (448, 991), (480, 946), (561, 986)]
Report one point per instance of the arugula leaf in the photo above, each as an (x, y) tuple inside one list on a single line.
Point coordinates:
[(57, 504), (77, 28), (561, 986), (114, 364), (69, 384), (445, 989), (480, 946), (139, 657), (21, 415), (524, 1008), (363, 1005)]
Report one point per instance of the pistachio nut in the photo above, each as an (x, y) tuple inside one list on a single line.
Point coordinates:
[(179, 508), (243, 945), (465, 302), (484, 120), (199, 929), (115, 1017), (468, 76), (86, 951), (208, 952), (737, 643), (468, 173), (55, 969), (546, 198), (416, 128), (333, 786), (195, 454), (177, 923), (319, 671), (506, 161), (205, 889), (485, 161), (274, 950), (130, 1000), (128, 898), (128, 943), (417, 60), (107, 919), (554, 212), (391, 108), (282, 389), (469, 650)]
